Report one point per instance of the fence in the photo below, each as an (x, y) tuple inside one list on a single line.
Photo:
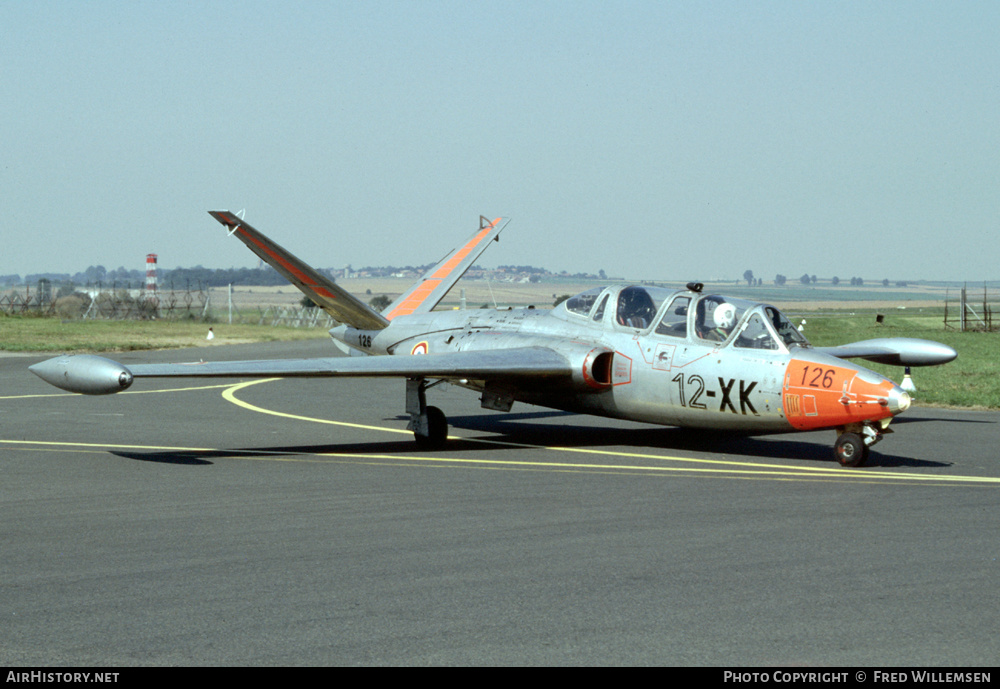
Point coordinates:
[(968, 311), (296, 317), (127, 304), (16, 304)]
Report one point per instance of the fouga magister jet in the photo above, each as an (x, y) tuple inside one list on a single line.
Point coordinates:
[(676, 358)]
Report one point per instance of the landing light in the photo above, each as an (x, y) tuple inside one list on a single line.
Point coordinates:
[(905, 401)]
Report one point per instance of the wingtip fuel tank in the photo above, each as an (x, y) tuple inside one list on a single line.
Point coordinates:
[(84, 373)]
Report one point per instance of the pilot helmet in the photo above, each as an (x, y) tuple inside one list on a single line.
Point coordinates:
[(725, 316)]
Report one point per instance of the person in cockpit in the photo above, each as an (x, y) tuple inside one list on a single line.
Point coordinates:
[(723, 319)]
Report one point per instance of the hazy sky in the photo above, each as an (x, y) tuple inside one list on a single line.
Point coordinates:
[(654, 140)]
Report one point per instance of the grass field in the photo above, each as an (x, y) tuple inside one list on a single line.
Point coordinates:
[(19, 334), (972, 380)]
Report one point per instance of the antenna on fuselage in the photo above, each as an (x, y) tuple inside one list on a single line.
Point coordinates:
[(490, 286)]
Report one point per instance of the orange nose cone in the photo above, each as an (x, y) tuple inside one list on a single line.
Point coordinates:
[(818, 394)]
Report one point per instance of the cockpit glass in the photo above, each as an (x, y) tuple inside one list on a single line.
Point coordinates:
[(675, 318), (599, 311), (788, 333), (755, 335), (582, 303), (716, 317), (637, 305)]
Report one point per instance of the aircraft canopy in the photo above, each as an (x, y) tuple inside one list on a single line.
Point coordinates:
[(714, 318)]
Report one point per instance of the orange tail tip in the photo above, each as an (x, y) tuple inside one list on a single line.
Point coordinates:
[(435, 284)]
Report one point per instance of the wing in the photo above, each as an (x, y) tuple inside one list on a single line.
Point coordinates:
[(436, 282), (897, 351), (94, 375), (330, 297)]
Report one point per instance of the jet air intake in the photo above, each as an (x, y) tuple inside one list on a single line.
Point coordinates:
[(592, 369)]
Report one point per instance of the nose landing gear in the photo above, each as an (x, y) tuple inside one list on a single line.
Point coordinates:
[(850, 450), (853, 442)]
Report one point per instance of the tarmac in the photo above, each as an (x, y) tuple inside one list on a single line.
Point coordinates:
[(294, 522)]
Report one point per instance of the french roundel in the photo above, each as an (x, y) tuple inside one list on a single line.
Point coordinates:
[(419, 348)]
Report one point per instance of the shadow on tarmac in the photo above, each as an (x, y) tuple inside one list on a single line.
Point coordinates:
[(555, 429)]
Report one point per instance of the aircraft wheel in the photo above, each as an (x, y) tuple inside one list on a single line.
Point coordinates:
[(851, 450), (437, 430)]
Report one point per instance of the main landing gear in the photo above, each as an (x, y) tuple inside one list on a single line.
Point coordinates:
[(853, 442), (429, 424)]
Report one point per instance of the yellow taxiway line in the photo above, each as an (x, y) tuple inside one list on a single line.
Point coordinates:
[(690, 466), (705, 465)]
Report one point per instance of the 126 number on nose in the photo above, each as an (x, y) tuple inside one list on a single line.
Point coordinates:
[(822, 377)]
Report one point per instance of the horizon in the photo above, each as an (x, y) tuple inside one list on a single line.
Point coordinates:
[(791, 281)]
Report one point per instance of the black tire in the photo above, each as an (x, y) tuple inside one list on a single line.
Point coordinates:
[(437, 430), (850, 450)]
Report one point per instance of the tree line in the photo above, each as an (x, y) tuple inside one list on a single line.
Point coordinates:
[(807, 279), (198, 277)]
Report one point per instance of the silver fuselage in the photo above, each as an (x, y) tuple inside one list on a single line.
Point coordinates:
[(663, 368)]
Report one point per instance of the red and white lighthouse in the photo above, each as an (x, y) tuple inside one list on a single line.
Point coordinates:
[(151, 277)]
